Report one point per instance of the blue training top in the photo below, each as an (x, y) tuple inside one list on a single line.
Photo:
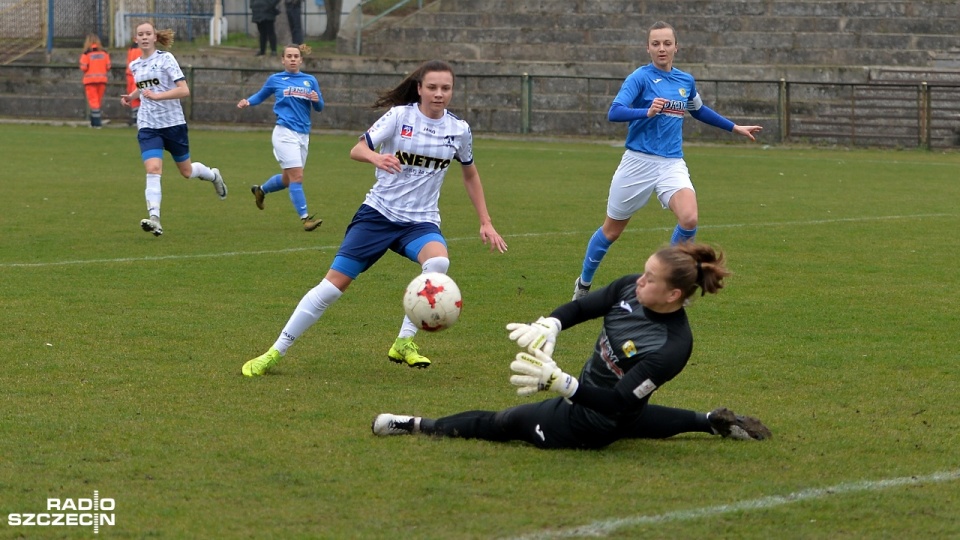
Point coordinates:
[(661, 135), (292, 98)]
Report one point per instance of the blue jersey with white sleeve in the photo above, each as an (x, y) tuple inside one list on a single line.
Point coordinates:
[(292, 103), (661, 135)]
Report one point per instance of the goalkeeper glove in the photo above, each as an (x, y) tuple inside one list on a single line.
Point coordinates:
[(539, 372), (540, 335)]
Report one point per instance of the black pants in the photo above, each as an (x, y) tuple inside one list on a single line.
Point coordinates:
[(296, 22), (267, 33), (550, 424)]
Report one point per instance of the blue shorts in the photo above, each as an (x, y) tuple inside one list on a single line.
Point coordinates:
[(173, 139), (370, 235)]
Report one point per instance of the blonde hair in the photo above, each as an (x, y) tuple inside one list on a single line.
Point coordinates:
[(304, 49), (92, 42), (164, 37)]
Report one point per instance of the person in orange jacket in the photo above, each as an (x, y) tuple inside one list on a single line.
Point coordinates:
[(95, 65), (133, 53)]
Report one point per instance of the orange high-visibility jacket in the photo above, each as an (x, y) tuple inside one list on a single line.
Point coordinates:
[(95, 64), (132, 54)]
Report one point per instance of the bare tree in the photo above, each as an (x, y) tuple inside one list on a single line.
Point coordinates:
[(333, 7)]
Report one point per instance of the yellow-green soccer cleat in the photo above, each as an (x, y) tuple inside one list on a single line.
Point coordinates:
[(405, 351), (261, 364)]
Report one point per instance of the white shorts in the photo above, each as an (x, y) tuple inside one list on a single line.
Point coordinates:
[(639, 176), (290, 147)]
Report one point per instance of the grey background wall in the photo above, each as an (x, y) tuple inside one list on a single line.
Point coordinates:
[(562, 61)]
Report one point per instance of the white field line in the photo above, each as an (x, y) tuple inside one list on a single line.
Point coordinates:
[(462, 239), (605, 527)]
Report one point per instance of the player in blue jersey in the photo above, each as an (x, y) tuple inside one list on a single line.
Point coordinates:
[(645, 342), (295, 94), (653, 99), (160, 85), (412, 147)]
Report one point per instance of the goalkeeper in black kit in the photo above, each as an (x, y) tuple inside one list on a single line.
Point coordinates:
[(645, 342)]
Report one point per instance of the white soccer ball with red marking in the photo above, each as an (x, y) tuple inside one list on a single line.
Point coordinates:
[(432, 301)]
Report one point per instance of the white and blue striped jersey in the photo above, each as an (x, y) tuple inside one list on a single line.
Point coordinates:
[(661, 135), (159, 72), (425, 148), (291, 92)]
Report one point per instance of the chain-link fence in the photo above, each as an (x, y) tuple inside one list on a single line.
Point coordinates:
[(22, 27), (189, 19)]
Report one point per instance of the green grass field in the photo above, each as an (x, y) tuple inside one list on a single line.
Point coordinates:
[(123, 351)]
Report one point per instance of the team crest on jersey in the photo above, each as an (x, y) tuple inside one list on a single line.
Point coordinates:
[(406, 131), (629, 348), (683, 92)]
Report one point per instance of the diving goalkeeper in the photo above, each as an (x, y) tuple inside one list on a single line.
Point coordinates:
[(645, 342)]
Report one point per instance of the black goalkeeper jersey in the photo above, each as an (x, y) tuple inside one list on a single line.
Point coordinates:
[(638, 351)]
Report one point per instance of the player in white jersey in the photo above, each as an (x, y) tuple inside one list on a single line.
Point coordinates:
[(653, 99), (160, 85), (294, 95), (418, 140)]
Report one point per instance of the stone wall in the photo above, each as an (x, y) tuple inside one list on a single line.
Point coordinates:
[(795, 33)]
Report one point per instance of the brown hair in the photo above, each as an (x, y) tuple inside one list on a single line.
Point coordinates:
[(164, 37), (406, 92), (691, 265), (660, 25)]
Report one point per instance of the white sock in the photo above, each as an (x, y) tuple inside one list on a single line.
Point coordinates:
[(153, 195), (201, 171), (436, 264), (308, 311), (407, 328)]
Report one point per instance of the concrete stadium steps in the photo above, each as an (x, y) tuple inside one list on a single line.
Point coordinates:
[(858, 33), (869, 114)]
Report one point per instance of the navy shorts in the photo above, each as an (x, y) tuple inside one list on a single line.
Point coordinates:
[(173, 139), (370, 235)]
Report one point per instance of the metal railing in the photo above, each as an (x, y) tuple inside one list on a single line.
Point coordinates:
[(363, 24), (908, 115)]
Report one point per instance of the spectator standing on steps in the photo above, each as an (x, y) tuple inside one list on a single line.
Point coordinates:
[(264, 16), (95, 65), (133, 53), (294, 9)]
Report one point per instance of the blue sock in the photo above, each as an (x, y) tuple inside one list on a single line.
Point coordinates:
[(682, 235), (596, 250), (298, 199), (275, 183)]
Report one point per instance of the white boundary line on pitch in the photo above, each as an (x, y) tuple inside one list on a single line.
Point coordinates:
[(605, 527), (522, 235)]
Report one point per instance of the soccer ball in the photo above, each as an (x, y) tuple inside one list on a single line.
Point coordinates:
[(432, 301)]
